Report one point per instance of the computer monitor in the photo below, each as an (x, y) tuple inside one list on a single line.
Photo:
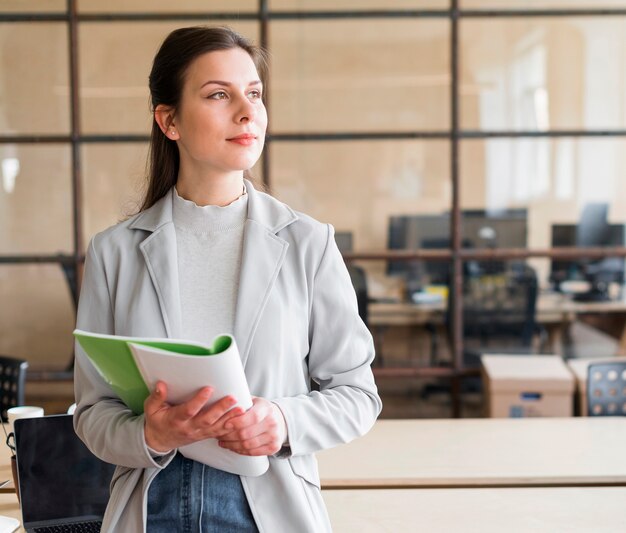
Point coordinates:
[(590, 232), (481, 229), (408, 232), (501, 228)]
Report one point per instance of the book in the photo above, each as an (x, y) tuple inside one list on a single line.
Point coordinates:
[(133, 365)]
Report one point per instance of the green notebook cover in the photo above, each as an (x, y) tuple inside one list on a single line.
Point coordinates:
[(114, 360)]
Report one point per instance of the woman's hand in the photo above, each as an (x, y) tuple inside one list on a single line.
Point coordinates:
[(261, 430), (170, 426)]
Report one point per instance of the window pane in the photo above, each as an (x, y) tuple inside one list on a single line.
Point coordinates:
[(115, 62), (360, 186), (561, 192), (359, 75), (344, 5), (35, 96), (165, 6), (542, 4), (32, 6), (114, 184), (38, 323), (540, 74), (35, 199)]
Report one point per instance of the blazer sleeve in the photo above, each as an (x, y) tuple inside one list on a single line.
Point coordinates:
[(108, 428), (339, 359)]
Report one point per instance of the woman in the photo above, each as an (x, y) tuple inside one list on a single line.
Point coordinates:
[(209, 254)]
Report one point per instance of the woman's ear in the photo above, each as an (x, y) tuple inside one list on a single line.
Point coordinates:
[(164, 116)]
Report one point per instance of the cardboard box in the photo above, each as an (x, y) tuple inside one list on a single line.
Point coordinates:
[(519, 386), (579, 368)]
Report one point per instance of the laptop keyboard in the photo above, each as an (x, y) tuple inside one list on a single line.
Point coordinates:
[(77, 527)]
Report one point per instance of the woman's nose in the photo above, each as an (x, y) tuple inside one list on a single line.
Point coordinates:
[(247, 111)]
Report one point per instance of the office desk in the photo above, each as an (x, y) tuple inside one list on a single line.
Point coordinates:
[(519, 510), (9, 506), (554, 311), (480, 453), (5, 467)]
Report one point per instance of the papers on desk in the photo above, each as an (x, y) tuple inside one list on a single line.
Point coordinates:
[(426, 297), (8, 524)]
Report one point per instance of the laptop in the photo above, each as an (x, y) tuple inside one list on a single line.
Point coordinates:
[(62, 485)]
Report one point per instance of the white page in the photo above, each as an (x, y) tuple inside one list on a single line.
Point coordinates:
[(185, 375)]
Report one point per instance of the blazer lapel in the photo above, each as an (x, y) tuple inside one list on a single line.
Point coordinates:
[(160, 253), (262, 257)]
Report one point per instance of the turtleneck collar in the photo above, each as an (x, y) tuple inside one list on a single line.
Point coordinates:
[(188, 216)]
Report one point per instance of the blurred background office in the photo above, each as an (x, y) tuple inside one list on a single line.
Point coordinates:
[(467, 152)]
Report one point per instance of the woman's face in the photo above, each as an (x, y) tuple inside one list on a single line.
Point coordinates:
[(221, 120)]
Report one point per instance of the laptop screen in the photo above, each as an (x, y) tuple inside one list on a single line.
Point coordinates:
[(59, 477)]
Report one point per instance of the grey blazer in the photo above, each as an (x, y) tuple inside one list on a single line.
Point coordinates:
[(296, 321)]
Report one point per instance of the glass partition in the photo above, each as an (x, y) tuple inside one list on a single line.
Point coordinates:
[(34, 79), (541, 4), (32, 6), (37, 315), (547, 182), (342, 5), (165, 6), (323, 81), (542, 74), (378, 195), (35, 199)]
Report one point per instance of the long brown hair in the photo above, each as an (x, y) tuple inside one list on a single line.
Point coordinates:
[(166, 81)]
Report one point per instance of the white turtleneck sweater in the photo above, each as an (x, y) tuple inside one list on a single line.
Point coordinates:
[(209, 242)]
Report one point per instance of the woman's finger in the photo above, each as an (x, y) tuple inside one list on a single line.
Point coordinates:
[(190, 408)]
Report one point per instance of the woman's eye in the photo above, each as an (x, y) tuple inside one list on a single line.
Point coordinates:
[(255, 94), (220, 95)]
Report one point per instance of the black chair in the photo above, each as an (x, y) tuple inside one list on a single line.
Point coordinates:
[(12, 383), (359, 282), (499, 310), (606, 389), (499, 316)]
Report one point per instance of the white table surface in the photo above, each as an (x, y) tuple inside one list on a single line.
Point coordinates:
[(510, 510), (481, 452)]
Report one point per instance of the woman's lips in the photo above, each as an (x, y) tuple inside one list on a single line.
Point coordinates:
[(245, 139)]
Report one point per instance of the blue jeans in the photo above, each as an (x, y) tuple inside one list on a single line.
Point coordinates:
[(188, 496)]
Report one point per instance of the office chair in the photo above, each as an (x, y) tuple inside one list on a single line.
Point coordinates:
[(499, 316), (12, 383), (359, 282), (606, 389), (499, 309)]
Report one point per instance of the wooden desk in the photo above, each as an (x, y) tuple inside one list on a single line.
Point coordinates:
[(9, 506), (554, 311), (538, 510), (481, 453), (5, 466)]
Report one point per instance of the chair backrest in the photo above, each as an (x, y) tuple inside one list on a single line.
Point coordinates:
[(359, 281), (606, 389), (500, 304), (12, 383)]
